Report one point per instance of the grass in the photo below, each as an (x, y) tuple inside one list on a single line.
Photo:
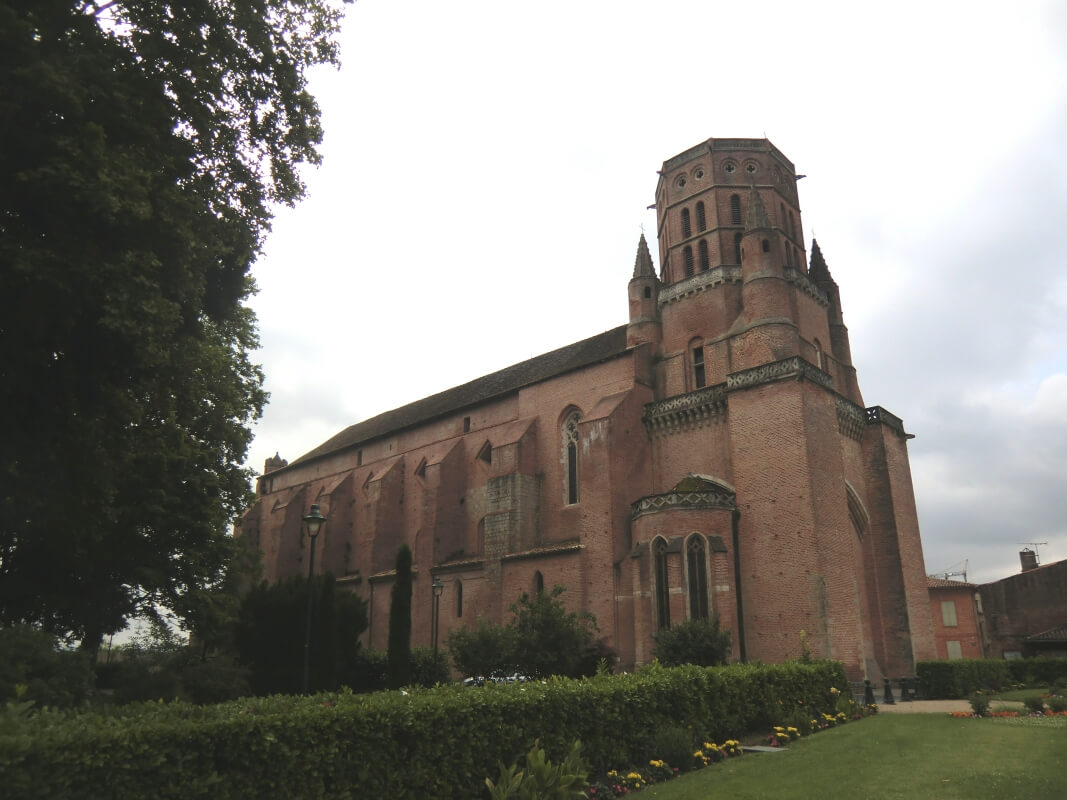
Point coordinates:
[(896, 756)]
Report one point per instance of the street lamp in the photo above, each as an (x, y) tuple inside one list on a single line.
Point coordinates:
[(438, 588), (313, 522)]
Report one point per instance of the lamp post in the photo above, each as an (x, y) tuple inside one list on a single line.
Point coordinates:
[(437, 588), (313, 522)]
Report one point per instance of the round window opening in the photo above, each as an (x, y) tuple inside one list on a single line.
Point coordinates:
[(681, 181), (750, 168), (729, 167), (699, 174)]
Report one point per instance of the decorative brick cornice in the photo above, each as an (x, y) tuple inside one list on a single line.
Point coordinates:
[(851, 419), (690, 410), (708, 498), (795, 367), (802, 281), (878, 414), (699, 282)]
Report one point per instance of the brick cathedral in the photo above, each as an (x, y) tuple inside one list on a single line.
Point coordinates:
[(713, 455)]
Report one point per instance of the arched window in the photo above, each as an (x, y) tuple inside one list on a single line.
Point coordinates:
[(735, 209), (538, 583), (687, 228), (788, 256), (697, 567), (570, 455), (696, 350), (818, 354), (792, 226), (459, 599), (648, 292), (705, 262), (687, 256), (702, 220), (766, 245), (781, 219), (663, 596), (737, 248)]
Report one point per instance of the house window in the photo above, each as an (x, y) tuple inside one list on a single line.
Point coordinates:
[(948, 613), (954, 650), (663, 602), (735, 209), (570, 455), (696, 557), (702, 220), (703, 250), (687, 228), (459, 599), (697, 350), (687, 255)]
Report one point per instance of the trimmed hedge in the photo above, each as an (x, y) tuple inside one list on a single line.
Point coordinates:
[(962, 677), (415, 743)]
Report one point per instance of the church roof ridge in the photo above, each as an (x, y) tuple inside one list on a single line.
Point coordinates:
[(601, 347)]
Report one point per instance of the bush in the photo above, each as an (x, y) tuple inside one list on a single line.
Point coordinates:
[(1034, 704), (979, 704), (696, 641), (1057, 704), (258, 747), (270, 634), (53, 677), (962, 677), (543, 639), (674, 745), (1043, 671)]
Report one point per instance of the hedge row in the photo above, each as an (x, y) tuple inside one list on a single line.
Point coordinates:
[(963, 677), (417, 743)]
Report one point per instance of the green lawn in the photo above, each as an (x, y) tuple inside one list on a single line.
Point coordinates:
[(896, 756)]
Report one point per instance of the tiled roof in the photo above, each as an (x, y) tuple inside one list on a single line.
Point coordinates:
[(1057, 634), (597, 348), (945, 583)]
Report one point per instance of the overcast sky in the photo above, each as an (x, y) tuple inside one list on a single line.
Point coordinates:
[(487, 171)]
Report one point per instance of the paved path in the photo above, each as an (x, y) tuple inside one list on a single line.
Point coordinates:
[(939, 706)]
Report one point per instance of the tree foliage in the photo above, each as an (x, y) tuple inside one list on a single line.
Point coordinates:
[(399, 650), (542, 639), (144, 145), (271, 630), (696, 641)]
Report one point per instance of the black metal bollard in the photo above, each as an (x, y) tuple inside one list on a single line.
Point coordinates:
[(888, 697), (904, 696), (868, 693)]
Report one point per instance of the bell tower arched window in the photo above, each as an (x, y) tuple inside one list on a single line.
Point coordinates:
[(737, 248), (687, 256), (687, 228), (703, 251), (735, 209), (570, 455), (697, 569), (663, 589), (702, 220)]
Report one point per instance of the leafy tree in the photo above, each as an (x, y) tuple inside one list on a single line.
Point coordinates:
[(33, 659), (271, 630), (144, 146), (399, 651), (543, 638), (484, 651), (550, 640), (696, 641)]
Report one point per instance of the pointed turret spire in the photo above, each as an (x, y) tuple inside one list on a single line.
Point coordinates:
[(818, 270), (643, 263), (756, 219)]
